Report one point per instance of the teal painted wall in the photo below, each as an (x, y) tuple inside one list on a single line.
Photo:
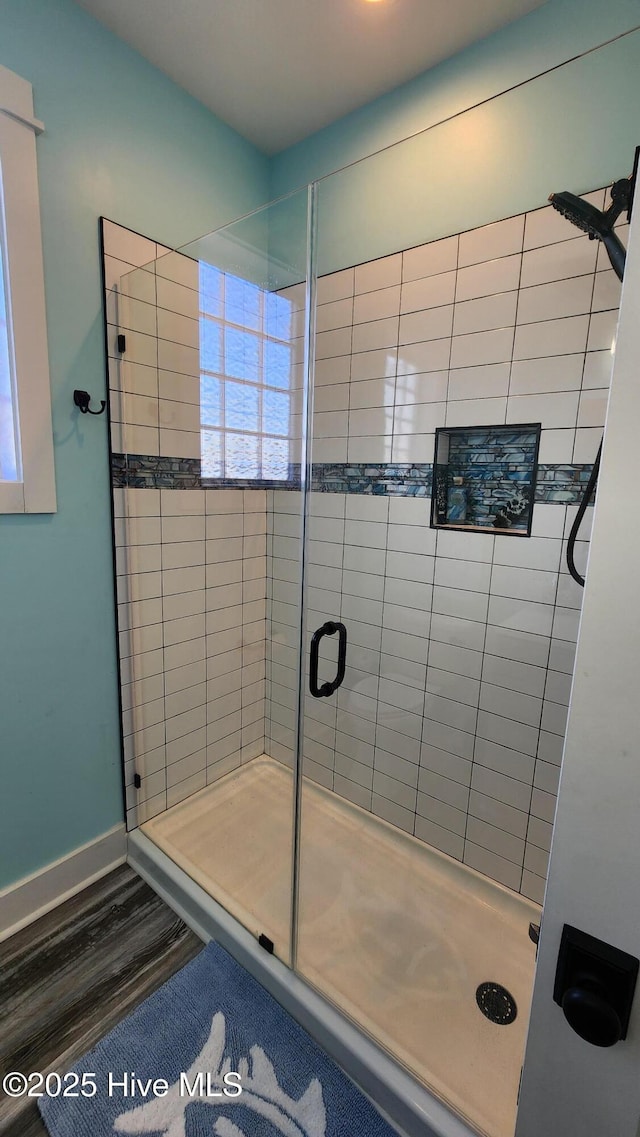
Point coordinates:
[(501, 158), (123, 141), (574, 128)]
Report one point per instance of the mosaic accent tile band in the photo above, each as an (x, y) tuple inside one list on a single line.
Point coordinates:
[(380, 478), (555, 483), (148, 471), (562, 484)]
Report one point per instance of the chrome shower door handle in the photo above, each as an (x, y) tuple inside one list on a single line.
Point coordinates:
[(327, 629)]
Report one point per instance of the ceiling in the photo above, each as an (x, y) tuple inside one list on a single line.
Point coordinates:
[(278, 70)]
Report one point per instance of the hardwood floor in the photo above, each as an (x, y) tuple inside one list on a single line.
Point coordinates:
[(66, 980)]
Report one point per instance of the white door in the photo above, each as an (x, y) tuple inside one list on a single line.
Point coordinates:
[(571, 1088)]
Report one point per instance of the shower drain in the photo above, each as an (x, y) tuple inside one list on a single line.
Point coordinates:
[(496, 1003)]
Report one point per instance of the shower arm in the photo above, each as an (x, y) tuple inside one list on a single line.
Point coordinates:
[(622, 198)]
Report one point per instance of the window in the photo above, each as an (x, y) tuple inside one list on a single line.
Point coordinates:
[(26, 442), (245, 380)]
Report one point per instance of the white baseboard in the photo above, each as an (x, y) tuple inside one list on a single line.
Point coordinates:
[(23, 902)]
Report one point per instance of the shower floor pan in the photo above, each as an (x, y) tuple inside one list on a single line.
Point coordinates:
[(396, 934)]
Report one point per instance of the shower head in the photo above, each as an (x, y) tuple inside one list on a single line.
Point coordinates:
[(597, 224), (579, 212)]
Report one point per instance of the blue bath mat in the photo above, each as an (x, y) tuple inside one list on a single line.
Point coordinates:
[(209, 1030)]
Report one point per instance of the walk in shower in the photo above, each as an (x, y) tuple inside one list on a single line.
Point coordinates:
[(343, 711)]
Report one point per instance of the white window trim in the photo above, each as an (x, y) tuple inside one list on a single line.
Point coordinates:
[(24, 269)]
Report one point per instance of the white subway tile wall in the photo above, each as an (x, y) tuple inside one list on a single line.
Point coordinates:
[(451, 719), (190, 563), (191, 579), (152, 298)]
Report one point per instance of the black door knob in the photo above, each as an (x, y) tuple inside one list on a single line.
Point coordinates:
[(588, 1009), (595, 984)]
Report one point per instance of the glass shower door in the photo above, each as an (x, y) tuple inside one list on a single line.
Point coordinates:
[(228, 372), (421, 831)]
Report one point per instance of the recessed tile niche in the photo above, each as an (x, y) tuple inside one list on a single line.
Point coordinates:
[(484, 478)]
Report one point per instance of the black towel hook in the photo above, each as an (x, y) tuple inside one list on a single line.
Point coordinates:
[(82, 400)]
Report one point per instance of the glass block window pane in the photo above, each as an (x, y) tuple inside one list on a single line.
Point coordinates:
[(210, 345), (275, 459), (277, 364), (211, 450), (9, 466), (242, 406), (242, 302), (245, 378), (277, 316), (210, 401), (242, 457), (210, 289), (241, 354), (275, 412)]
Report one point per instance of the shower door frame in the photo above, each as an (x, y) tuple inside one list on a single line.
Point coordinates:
[(306, 474)]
